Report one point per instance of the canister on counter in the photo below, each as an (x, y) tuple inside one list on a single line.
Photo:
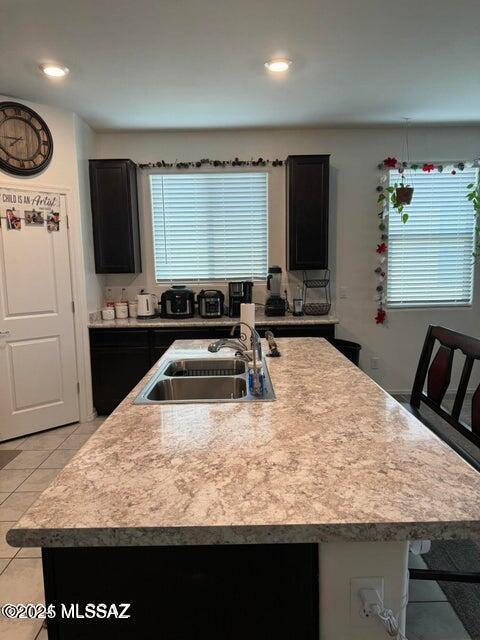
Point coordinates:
[(108, 313), (121, 310)]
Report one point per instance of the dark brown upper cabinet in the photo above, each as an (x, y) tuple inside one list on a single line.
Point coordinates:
[(116, 235), (307, 207)]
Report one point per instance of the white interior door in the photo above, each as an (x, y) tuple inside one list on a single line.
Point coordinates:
[(38, 373)]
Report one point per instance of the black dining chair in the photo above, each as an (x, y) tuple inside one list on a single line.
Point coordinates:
[(430, 386)]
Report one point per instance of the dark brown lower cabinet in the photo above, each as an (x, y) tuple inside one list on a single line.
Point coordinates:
[(156, 353), (229, 592), (121, 357)]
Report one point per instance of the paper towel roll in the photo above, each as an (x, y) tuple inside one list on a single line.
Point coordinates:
[(247, 314)]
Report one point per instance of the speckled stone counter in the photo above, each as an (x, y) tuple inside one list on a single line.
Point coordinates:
[(333, 458), (197, 321)]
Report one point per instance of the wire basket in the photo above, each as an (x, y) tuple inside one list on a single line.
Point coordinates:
[(322, 305), (317, 308), (316, 283), (188, 373)]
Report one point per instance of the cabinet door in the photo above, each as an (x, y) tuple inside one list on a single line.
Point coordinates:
[(115, 371), (165, 337), (298, 331), (156, 353), (307, 197), (113, 186)]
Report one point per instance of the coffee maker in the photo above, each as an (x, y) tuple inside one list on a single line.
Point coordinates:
[(238, 292), (275, 305)]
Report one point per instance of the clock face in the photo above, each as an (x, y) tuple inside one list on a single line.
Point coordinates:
[(26, 144)]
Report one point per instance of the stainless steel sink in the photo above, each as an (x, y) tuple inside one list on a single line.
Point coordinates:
[(205, 367), (198, 389), (202, 380)]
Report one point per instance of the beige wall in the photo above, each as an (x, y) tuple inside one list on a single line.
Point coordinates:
[(85, 140), (355, 154)]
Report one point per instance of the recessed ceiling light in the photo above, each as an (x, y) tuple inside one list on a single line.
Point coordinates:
[(278, 65), (54, 70)]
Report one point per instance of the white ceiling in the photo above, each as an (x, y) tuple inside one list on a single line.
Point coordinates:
[(182, 64)]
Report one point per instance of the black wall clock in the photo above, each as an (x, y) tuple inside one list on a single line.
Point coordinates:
[(26, 144)]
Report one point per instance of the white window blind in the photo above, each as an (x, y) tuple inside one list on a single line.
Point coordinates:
[(430, 258), (210, 226)]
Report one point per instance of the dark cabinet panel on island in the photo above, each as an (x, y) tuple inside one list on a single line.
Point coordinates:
[(229, 592), (307, 206), (121, 357), (116, 235)]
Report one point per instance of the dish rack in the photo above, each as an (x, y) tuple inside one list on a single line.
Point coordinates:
[(194, 373), (322, 283)]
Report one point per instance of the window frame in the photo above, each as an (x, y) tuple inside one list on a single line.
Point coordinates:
[(423, 305), (149, 230)]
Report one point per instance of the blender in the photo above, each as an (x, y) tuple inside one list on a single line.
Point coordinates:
[(275, 305)]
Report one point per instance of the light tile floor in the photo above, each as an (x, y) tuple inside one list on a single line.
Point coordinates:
[(429, 615), (21, 482)]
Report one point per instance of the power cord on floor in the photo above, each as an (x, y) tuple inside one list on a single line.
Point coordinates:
[(373, 607)]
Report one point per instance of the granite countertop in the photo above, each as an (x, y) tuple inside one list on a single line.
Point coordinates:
[(333, 458), (197, 321)]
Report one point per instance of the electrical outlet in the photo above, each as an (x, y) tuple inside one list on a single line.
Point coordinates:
[(357, 616), (374, 363), (343, 292)]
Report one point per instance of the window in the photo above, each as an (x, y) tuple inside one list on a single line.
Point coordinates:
[(430, 260), (210, 226)]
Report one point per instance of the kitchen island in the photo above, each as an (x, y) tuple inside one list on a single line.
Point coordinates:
[(286, 500)]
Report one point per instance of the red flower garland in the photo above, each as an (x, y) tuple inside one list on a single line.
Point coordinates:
[(427, 167), (380, 317), (391, 163), (381, 248)]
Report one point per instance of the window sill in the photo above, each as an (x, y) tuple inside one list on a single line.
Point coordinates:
[(417, 307)]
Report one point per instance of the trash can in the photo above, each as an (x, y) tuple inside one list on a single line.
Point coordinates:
[(350, 350)]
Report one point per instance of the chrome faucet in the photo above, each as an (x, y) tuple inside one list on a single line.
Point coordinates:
[(243, 350)]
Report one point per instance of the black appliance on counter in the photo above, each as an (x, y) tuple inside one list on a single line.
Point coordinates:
[(238, 292), (177, 302), (275, 305), (210, 303)]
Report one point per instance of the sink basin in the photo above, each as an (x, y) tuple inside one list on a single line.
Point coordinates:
[(217, 388), (209, 379), (205, 367)]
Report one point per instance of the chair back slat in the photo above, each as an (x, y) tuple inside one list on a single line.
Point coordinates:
[(439, 374), (462, 387)]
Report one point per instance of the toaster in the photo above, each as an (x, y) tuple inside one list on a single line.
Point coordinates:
[(177, 302), (210, 303)]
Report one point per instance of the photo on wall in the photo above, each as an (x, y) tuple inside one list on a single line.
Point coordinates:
[(53, 221), (34, 218), (14, 223)]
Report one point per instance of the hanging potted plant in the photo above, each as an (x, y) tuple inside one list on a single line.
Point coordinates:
[(400, 195), (403, 194)]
